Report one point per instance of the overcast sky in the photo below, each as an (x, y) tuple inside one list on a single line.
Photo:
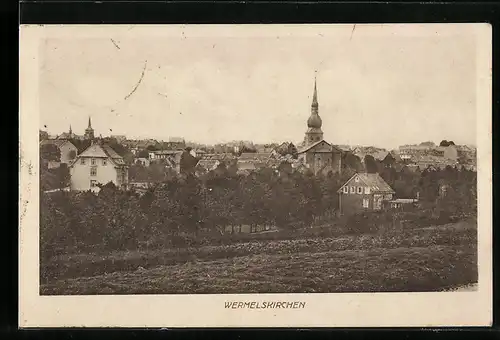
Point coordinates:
[(379, 85)]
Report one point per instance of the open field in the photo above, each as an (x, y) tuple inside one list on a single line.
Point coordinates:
[(427, 259)]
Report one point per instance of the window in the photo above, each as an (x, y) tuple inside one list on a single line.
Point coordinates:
[(82, 161), (367, 190), (352, 190), (356, 179), (93, 171), (366, 202), (93, 161), (388, 197), (346, 190), (360, 190), (104, 162), (93, 183)]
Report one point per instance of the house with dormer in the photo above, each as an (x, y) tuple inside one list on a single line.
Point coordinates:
[(364, 192), (98, 164)]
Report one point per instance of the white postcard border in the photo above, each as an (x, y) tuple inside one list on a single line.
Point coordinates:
[(321, 310)]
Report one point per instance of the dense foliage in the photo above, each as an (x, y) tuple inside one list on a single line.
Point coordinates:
[(52, 178), (178, 209)]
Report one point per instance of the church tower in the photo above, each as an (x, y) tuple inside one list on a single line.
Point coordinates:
[(89, 132), (314, 133)]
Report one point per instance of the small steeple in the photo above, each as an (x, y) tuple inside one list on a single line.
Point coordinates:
[(70, 131), (90, 124)]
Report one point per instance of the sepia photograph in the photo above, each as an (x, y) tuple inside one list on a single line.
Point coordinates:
[(261, 164)]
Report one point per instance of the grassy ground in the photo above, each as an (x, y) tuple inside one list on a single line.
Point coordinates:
[(427, 259)]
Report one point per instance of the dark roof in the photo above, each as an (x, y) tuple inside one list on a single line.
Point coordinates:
[(110, 152)]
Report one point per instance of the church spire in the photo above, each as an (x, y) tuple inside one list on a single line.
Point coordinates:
[(315, 94), (314, 133), (90, 124), (70, 131)]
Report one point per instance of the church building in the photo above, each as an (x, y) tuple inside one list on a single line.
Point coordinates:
[(317, 154), (89, 132)]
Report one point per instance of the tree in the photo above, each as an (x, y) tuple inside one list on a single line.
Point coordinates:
[(143, 154), (63, 175), (43, 135), (371, 164), (351, 161), (292, 150), (50, 152), (187, 162), (446, 143)]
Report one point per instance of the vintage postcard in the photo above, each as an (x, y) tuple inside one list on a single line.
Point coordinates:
[(255, 175)]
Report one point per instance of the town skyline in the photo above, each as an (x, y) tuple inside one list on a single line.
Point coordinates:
[(212, 89), (111, 134)]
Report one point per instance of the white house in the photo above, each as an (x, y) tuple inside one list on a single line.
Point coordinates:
[(98, 164), (67, 149)]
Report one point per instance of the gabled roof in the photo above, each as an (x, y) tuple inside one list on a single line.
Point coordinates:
[(373, 181), (94, 150), (57, 142), (313, 145), (101, 151), (307, 148)]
